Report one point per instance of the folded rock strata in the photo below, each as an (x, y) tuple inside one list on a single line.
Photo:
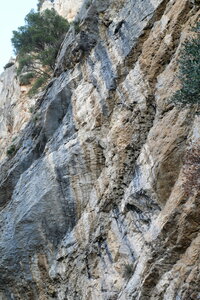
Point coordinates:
[(93, 204)]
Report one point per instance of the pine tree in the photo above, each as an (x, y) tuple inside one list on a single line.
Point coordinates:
[(37, 43)]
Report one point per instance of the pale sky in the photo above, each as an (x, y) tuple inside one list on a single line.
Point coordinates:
[(12, 16)]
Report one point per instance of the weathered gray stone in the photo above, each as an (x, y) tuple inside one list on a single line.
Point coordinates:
[(92, 202)]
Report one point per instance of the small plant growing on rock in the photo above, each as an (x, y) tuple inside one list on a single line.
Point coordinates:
[(77, 26), (36, 117), (128, 271), (11, 150), (8, 65), (189, 71), (31, 109), (26, 78), (40, 82)]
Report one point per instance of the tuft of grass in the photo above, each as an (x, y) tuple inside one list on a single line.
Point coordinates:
[(39, 83)]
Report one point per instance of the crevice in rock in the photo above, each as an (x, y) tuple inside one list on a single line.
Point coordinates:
[(122, 229)]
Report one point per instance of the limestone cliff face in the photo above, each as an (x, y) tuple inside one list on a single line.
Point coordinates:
[(94, 203), (14, 108), (66, 8)]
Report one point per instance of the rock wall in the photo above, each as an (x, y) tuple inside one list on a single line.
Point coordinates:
[(95, 202), (66, 8), (15, 108)]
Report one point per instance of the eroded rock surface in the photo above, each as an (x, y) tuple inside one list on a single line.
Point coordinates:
[(93, 204), (66, 8), (15, 108)]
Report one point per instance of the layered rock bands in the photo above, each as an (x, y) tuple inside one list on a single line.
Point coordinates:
[(97, 198)]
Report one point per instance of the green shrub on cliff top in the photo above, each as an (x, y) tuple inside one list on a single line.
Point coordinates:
[(40, 38), (189, 71), (37, 42)]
